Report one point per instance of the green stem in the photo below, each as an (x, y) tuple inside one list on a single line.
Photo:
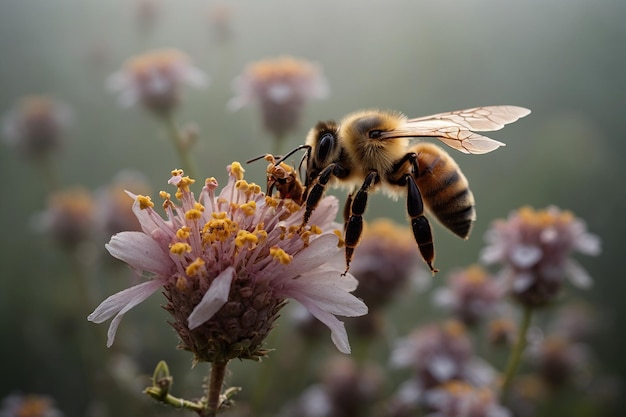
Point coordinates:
[(182, 147), (516, 353), (214, 390)]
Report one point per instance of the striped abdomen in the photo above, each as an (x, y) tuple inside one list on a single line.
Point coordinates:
[(444, 189)]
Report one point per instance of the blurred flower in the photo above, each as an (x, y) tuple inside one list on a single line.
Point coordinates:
[(575, 322), (459, 399), (535, 248), (154, 80), (439, 353), (280, 87), (36, 125), (502, 332), (115, 212), (472, 294), (29, 405), (383, 262), (227, 264), (69, 218), (346, 390), (559, 360)]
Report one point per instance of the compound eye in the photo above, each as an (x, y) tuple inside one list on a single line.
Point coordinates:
[(325, 145), (375, 134)]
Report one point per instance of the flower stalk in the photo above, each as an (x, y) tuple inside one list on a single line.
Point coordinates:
[(214, 390), (181, 143), (516, 354)]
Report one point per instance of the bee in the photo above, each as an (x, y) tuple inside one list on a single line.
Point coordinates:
[(284, 178), (372, 150)]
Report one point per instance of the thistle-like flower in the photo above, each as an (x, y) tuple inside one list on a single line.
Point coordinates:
[(280, 87), (472, 294), (36, 125), (155, 80), (535, 248), (459, 399), (227, 263), (68, 218)]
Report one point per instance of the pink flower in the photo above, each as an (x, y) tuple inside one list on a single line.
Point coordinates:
[(535, 248), (280, 87), (155, 79), (228, 262)]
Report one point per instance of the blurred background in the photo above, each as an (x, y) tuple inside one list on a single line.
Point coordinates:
[(562, 59)]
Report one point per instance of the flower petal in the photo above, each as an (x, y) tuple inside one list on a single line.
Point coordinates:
[(310, 258), (326, 294), (120, 303), (215, 297), (140, 251), (338, 333), (577, 275)]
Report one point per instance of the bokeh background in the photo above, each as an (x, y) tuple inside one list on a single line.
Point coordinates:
[(563, 59)]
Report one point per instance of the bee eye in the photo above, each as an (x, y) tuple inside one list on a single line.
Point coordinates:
[(325, 145), (375, 134)]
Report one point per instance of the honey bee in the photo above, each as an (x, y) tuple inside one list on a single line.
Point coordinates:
[(284, 178), (370, 150)]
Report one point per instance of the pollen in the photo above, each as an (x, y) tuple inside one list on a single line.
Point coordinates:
[(315, 229), (144, 202), (218, 230), (248, 208), (182, 284), (280, 255), (177, 172), (244, 237), (195, 213), (180, 248), (237, 170), (211, 183), (195, 268), (341, 243), (271, 201), (183, 233)]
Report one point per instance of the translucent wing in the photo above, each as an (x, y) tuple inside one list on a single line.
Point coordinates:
[(456, 128)]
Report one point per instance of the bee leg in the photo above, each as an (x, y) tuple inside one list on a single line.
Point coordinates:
[(314, 196), (419, 223), (354, 225), (346, 211)]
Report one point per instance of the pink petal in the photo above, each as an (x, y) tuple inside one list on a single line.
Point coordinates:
[(140, 251), (327, 295), (320, 249), (215, 297), (120, 303), (338, 333)]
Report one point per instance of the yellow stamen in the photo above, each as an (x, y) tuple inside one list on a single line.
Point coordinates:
[(183, 233), (237, 170), (280, 255), (244, 237), (271, 201), (182, 284), (180, 248), (193, 214), (248, 208), (195, 268), (144, 202), (341, 243)]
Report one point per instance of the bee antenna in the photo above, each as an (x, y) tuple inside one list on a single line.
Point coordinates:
[(307, 147), (259, 157)]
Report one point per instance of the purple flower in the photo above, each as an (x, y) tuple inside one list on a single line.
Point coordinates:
[(155, 80), (280, 87), (535, 248), (228, 262)]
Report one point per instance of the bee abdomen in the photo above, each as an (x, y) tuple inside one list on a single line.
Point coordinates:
[(445, 190)]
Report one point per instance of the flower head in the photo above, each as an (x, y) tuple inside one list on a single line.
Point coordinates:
[(155, 79), (472, 294), (227, 263), (113, 205), (535, 247), (438, 353), (280, 87), (36, 125), (68, 219), (460, 399)]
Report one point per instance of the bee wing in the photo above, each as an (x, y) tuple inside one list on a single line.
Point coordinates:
[(455, 128)]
